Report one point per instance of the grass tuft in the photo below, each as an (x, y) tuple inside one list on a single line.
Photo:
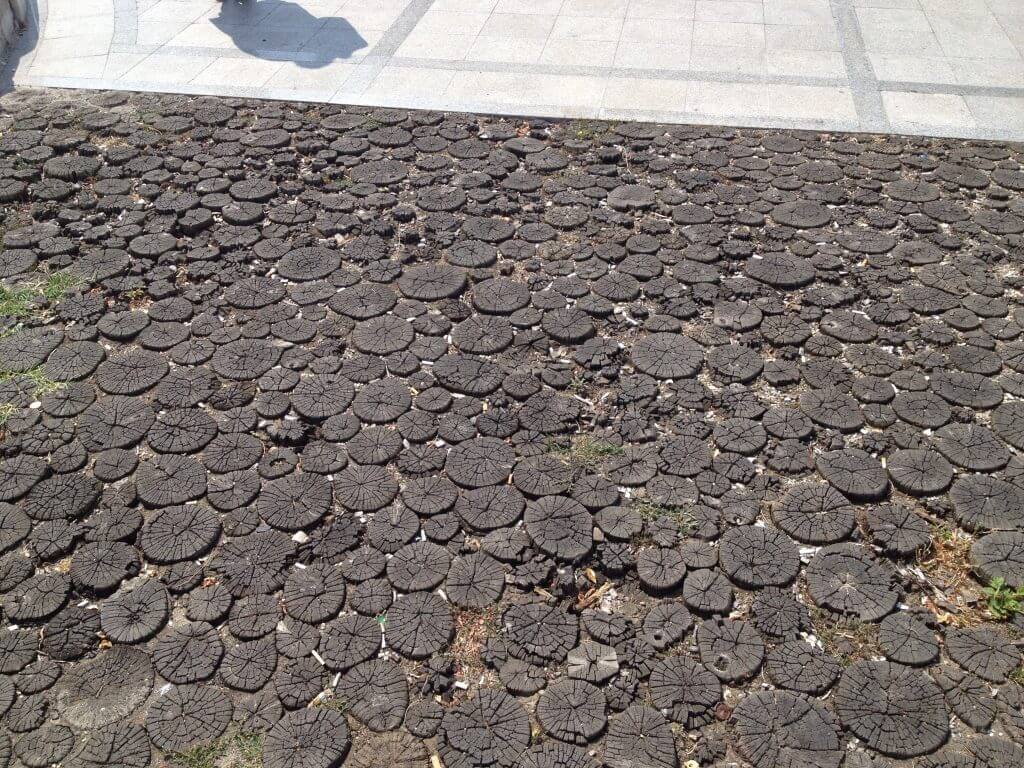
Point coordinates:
[(652, 512), (203, 756), (845, 639), (39, 383), (22, 300), (1003, 602), (6, 412), (57, 284), (585, 130), (585, 452), (235, 749), (17, 301), (334, 702), (578, 384)]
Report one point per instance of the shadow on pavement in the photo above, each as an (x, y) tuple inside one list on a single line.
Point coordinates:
[(279, 30), (22, 45)]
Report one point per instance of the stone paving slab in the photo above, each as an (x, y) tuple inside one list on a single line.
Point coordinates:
[(932, 67), (342, 437)]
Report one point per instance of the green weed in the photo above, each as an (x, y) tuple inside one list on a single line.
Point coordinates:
[(16, 302), (235, 749), (585, 452), (56, 284), (845, 639), (6, 412), (22, 300), (652, 512), (584, 130), (40, 383), (1003, 602), (943, 532), (203, 756), (330, 701), (578, 384)]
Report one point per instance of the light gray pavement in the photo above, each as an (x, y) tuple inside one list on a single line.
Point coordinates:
[(942, 67)]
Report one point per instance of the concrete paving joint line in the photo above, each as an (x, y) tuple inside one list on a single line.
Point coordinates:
[(861, 75)]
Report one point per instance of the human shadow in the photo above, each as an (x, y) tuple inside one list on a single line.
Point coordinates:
[(22, 45), (279, 30)]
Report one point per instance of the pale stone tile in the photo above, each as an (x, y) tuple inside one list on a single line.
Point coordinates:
[(523, 90), (636, 32), (518, 25), (902, 42), (1004, 6), (727, 99), (988, 72), (998, 112), (206, 35), (596, 53), (374, 16), (893, 18), (490, 87), (742, 11), (396, 7), (444, 23), (409, 82), (798, 12), (912, 69), (250, 14), (587, 28), (805, 63), (807, 102), (565, 90), (976, 37), (956, 6), (80, 46), (512, 50), (297, 93), (69, 66), (551, 7), (921, 110), (120, 63), (231, 71), (912, 4), (801, 38), (727, 60), (168, 68), (159, 32), (309, 13), (595, 7), (650, 95), (72, 26), (78, 8), (428, 46), (728, 33), (1014, 28), (653, 56), (661, 9), (329, 78)]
